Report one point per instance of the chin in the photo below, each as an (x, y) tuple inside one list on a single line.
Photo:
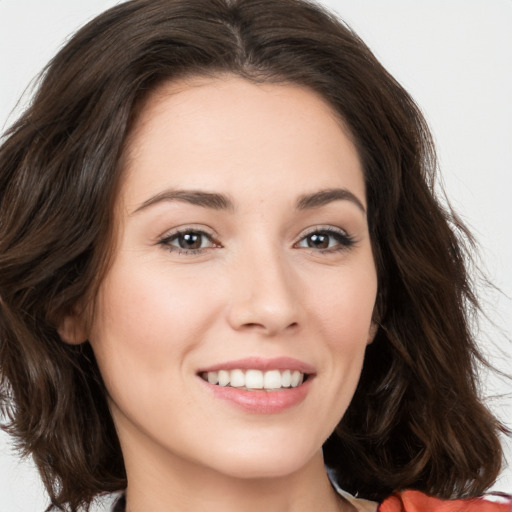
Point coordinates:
[(266, 463)]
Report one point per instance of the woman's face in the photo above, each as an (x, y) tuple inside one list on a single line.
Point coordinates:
[(243, 255)]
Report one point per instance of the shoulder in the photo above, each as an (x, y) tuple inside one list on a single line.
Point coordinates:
[(415, 501)]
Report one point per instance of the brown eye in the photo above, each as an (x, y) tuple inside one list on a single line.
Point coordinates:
[(190, 240), (318, 241), (327, 240), (193, 241)]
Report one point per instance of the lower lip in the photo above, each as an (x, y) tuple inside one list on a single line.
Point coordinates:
[(261, 401)]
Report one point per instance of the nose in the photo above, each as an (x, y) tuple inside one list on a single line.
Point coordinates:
[(264, 294)]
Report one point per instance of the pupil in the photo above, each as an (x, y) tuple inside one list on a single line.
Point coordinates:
[(190, 241), (318, 241)]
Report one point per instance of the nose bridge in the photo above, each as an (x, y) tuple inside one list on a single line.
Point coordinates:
[(264, 292)]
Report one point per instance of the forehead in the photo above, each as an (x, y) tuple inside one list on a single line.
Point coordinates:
[(228, 131)]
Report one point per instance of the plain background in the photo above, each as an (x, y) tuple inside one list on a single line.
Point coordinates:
[(453, 56)]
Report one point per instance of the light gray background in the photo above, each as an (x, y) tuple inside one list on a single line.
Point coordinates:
[(454, 57)]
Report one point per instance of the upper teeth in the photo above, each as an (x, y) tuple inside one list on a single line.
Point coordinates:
[(255, 379)]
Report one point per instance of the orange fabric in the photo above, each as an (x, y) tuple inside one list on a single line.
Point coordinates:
[(415, 501)]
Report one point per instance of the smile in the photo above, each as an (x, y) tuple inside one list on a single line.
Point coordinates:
[(253, 379)]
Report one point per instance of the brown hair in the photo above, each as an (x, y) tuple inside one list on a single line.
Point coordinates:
[(415, 421)]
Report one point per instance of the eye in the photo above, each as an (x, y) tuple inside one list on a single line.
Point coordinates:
[(326, 240), (188, 241)]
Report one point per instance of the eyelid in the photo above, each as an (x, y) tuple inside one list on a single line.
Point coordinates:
[(322, 227), (198, 228)]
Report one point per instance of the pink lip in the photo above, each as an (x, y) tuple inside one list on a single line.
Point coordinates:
[(263, 364), (261, 401)]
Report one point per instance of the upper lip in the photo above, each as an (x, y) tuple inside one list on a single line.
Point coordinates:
[(260, 363)]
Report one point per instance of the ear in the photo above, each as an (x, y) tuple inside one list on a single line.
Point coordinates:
[(71, 329), (374, 327)]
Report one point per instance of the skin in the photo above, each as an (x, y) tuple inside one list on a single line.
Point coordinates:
[(257, 286)]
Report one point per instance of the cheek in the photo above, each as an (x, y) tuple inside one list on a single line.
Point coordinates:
[(344, 320), (344, 307), (145, 327), (145, 320)]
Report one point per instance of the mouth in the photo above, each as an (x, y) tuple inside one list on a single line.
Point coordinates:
[(260, 385), (256, 380)]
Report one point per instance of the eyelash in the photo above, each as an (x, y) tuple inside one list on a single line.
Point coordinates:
[(343, 241)]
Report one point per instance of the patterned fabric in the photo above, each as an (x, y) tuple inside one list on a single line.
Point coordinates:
[(415, 501)]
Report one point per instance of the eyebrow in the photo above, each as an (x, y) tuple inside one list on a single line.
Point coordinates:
[(324, 197), (210, 200), (216, 201)]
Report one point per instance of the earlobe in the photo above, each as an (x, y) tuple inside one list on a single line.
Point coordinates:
[(71, 331), (374, 327)]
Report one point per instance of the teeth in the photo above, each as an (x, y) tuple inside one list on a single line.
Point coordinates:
[(286, 379), (255, 379), (224, 378), (237, 379), (272, 379), (296, 379)]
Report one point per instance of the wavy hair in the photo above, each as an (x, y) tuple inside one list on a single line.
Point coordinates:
[(416, 420)]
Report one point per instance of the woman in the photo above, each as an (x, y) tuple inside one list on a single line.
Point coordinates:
[(223, 269)]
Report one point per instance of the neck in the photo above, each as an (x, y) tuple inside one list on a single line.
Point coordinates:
[(165, 484)]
